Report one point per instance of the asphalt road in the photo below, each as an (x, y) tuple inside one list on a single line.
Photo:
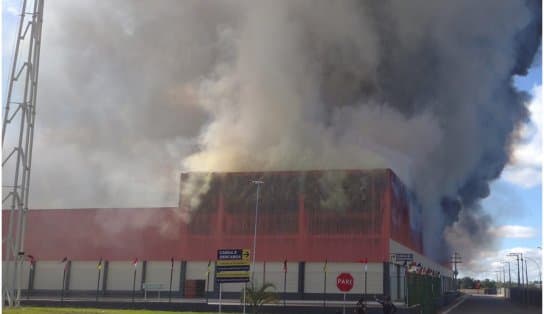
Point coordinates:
[(481, 304)]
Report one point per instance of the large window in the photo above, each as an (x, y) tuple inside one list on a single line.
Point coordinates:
[(278, 202), (344, 202), (338, 191)]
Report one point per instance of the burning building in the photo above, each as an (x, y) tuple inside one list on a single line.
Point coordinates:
[(316, 222)]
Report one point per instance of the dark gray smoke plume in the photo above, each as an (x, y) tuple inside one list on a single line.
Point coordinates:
[(129, 89)]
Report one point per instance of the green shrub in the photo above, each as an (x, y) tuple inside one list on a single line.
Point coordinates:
[(256, 297)]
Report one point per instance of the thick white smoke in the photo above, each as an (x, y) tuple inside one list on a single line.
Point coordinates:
[(321, 85), (131, 88)]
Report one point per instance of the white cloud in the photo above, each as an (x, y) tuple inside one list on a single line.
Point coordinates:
[(513, 231), (12, 7), (525, 169), (486, 263)]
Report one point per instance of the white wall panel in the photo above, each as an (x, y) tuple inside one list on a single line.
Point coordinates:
[(120, 275), (159, 272), (48, 275), (84, 275), (231, 287), (275, 275)]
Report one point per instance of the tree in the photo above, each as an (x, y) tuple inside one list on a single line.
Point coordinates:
[(257, 297), (489, 284), (467, 283)]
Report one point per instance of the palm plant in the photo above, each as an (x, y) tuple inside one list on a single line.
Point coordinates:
[(256, 297)]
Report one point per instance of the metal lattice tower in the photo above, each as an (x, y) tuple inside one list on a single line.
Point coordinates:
[(17, 138)]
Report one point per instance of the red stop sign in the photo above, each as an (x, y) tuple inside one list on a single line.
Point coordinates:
[(344, 282)]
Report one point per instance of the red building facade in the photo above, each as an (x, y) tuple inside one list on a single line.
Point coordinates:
[(338, 215)]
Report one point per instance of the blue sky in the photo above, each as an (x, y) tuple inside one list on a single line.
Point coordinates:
[(515, 202), (528, 198), (9, 29)]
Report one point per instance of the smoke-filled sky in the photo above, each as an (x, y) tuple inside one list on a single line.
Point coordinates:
[(133, 92)]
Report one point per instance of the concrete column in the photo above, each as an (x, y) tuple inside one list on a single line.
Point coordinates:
[(386, 279), (182, 277), (301, 279), (144, 272), (68, 270), (105, 277), (31, 273)]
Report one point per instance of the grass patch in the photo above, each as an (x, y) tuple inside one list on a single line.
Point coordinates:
[(72, 310)]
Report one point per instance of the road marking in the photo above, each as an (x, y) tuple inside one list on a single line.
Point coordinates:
[(455, 305)]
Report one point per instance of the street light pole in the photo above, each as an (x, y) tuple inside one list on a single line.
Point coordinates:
[(258, 183), (539, 271)]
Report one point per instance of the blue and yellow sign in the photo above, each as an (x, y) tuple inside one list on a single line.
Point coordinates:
[(232, 265)]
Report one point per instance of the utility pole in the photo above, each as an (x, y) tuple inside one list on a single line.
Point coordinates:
[(503, 281), (509, 274), (522, 277), (526, 276), (517, 260), (455, 259), (498, 273), (17, 143)]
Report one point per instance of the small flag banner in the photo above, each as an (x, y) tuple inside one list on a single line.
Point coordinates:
[(172, 263), (325, 266), (32, 260), (99, 265), (65, 262), (135, 262), (284, 266), (209, 268)]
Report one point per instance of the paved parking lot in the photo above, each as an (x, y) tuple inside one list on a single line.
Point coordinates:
[(480, 304)]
